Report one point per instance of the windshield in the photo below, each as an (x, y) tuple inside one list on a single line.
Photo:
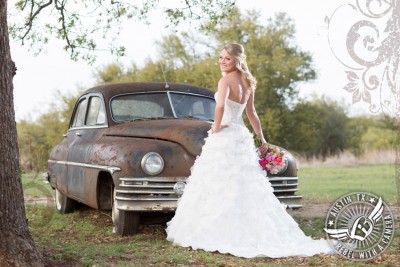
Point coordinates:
[(199, 107), (158, 105)]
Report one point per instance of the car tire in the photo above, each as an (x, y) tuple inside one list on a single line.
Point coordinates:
[(125, 222), (64, 204)]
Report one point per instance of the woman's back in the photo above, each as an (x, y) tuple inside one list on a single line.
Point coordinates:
[(239, 90)]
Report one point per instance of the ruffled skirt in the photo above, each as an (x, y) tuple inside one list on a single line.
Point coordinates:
[(228, 205)]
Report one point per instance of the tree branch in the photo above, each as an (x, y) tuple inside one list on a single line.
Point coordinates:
[(32, 16), (75, 25), (64, 30)]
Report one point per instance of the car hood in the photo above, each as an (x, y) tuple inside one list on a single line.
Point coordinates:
[(189, 133)]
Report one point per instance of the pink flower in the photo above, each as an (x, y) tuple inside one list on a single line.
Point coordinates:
[(263, 163), (273, 158)]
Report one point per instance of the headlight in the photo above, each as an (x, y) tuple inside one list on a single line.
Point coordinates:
[(152, 163), (179, 187), (283, 167)]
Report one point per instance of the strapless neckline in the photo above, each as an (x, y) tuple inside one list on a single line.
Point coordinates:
[(230, 100), (240, 104)]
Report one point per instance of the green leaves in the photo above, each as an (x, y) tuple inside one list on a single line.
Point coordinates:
[(82, 24)]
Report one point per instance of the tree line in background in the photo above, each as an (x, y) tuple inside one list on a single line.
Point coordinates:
[(313, 128)]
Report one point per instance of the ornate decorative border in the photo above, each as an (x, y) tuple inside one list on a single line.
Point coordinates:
[(381, 72)]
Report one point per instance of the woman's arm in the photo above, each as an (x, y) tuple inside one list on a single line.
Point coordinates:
[(255, 122), (223, 92)]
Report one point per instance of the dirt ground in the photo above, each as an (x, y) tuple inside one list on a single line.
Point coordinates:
[(310, 210), (321, 209)]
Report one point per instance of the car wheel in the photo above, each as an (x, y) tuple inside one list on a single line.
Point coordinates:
[(125, 222), (64, 204)]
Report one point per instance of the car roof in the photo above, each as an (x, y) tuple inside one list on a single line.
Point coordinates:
[(112, 89)]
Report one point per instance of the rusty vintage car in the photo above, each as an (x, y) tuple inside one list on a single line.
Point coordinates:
[(130, 147)]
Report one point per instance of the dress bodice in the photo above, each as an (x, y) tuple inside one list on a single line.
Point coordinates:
[(233, 112)]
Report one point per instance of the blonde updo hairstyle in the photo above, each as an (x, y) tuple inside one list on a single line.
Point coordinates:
[(237, 52)]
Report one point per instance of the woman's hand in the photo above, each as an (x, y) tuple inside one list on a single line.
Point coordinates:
[(264, 146), (215, 129)]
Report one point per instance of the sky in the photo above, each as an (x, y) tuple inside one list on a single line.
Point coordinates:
[(39, 78)]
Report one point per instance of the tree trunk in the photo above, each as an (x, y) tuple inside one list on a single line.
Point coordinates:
[(16, 244)]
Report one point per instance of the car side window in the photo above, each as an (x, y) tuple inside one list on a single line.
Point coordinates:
[(96, 114), (80, 113)]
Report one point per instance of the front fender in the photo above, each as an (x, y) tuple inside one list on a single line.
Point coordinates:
[(127, 153)]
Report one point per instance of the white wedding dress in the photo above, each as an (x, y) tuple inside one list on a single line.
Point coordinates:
[(228, 204)]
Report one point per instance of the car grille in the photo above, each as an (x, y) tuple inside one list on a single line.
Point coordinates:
[(148, 189), (284, 185), (161, 188)]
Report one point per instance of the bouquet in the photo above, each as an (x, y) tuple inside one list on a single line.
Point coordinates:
[(274, 160)]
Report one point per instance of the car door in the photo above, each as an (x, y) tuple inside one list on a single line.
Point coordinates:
[(57, 163), (85, 130)]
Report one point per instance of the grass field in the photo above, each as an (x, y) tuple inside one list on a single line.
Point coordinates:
[(35, 187), (326, 184), (85, 238)]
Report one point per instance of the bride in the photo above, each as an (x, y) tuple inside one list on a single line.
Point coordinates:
[(228, 204)]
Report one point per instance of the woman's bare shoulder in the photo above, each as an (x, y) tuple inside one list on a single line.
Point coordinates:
[(224, 81), (229, 80)]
